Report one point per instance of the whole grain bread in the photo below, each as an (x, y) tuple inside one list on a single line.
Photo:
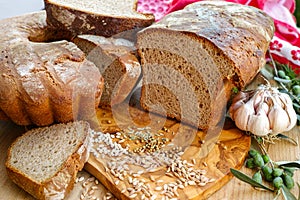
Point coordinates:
[(44, 82), (105, 17), (117, 62), (192, 58), (45, 161)]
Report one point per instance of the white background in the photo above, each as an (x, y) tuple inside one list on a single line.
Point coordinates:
[(10, 8)]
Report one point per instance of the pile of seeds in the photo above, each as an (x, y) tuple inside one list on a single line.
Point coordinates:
[(119, 161), (150, 141), (187, 174)]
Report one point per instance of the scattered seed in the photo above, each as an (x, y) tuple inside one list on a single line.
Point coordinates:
[(158, 188), (84, 184), (81, 179), (91, 192), (133, 195), (194, 161)]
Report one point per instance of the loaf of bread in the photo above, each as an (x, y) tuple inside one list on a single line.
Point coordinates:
[(117, 62), (105, 17), (44, 82), (45, 161), (192, 58)]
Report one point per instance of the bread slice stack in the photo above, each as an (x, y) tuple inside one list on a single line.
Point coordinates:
[(45, 161), (116, 59), (192, 58)]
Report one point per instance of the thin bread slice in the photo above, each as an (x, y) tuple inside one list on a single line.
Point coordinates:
[(117, 62), (105, 17), (45, 161)]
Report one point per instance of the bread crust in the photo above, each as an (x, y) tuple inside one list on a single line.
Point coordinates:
[(35, 85), (79, 22)]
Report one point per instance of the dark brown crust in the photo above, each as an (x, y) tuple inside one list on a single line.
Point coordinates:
[(71, 167), (241, 43), (97, 24)]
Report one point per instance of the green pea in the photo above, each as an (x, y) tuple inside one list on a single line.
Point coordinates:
[(258, 160), (288, 181), (281, 74), (277, 172), (296, 89), (250, 163), (257, 177), (266, 158), (287, 78), (278, 182), (267, 172), (252, 152)]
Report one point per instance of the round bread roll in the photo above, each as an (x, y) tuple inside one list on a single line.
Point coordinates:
[(43, 82)]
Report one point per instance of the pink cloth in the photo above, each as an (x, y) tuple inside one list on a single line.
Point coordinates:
[(285, 45)]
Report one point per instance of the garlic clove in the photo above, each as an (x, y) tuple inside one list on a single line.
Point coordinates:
[(233, 108), (263, 107), (288, 108), (279, 119), (257, 99), (292, 116), (242, 114), (259, 124)]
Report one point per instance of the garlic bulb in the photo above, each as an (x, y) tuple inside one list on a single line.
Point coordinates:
[(263, 111)]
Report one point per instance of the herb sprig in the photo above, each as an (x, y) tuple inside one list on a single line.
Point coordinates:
[(289, 83)]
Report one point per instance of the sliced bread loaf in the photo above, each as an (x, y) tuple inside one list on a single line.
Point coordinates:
[(193, 57), (44, 82), (105, 17), (45, 161), (117, 62)]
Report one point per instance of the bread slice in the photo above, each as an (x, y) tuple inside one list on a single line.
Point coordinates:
[(44, 82), (45, 161), (105, 17), (117, 62), (193, 57)]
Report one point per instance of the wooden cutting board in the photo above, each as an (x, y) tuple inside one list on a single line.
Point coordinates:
[(131, 175)]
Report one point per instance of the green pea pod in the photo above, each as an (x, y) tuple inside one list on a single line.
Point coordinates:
[(288, 181), (281, 74), (296, 89), (257, 177), (277, 172), (266, 158), (267, 172), (278, 182), (258, 160), (252, 152), (250, 163)]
